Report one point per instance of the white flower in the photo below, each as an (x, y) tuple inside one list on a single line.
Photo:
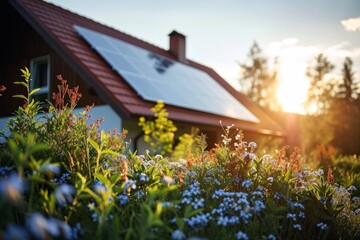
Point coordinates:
[(252, 145), (182, 161), (168, 180)]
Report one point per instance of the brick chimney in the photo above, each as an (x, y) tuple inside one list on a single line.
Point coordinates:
[(178, 46)]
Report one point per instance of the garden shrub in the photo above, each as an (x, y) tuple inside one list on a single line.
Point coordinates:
[(62, 178)]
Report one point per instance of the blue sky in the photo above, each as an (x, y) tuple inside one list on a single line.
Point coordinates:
[(220, 33)]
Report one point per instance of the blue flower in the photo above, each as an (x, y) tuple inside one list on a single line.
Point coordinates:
[(258, 206), (140, 194), (41, 227), (291, 216), (5, 169), (50, 168), (271, 237), (178, 235), (123, 199), (242, 236), (167, 204), (12, 187), (76, 231), (100, 188), (129, 184), (199, 221), (63, 179), (297, 226), (15, 232), (277, 195), (143, 177), (64, 194), (298, 205), (198, 203), (322, 226), (247, 183)]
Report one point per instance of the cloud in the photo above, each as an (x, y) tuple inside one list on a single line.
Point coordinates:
[(273, 49), (351, 24)]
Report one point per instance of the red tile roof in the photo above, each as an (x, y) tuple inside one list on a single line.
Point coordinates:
[(55, 25)]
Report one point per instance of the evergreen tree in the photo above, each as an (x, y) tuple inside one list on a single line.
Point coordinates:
[(321, 89), (348, 88), (345, 112)]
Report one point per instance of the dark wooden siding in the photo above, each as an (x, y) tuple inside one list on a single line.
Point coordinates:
[(21, 43)]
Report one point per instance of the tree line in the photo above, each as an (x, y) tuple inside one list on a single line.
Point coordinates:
[(332, 105)]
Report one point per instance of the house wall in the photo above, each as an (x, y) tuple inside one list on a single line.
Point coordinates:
[(21, 43), (111, 119)]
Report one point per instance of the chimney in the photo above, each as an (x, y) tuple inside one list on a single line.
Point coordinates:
[(178, 46)]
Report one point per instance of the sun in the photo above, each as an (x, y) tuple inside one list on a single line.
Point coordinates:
[(293, 86)]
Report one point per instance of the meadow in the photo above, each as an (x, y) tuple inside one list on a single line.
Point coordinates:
[(62, 178)]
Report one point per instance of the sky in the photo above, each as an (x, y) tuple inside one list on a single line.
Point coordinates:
[(219, 34)]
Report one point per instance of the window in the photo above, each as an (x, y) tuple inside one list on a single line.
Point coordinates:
[(40, 78)]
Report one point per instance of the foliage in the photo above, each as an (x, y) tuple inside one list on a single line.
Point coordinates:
[(97, 189), (160, 132), (336, 117), (348, 88), (321, 87), (190, 145), (257, 81)]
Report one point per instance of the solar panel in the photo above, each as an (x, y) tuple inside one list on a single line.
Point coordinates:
[(155, 77)]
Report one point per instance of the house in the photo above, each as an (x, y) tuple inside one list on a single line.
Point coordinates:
[(122, 75)]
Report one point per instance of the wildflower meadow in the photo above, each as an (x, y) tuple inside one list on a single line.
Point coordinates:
[(63, 178)]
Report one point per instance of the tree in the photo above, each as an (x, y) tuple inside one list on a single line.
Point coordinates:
[(321, 89), (345, 112), (257, 82), (159, 132), (348, 88)]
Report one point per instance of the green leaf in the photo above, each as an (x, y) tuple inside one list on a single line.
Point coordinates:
[(103, 179), (34, 91), (38, 147), (108, 151), (26, 72), (94, 144), (21, 83), (20, 96)]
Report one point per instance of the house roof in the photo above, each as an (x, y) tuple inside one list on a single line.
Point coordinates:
[(56, 26)]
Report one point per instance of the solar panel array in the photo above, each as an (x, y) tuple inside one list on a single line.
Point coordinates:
[(155, 77)]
